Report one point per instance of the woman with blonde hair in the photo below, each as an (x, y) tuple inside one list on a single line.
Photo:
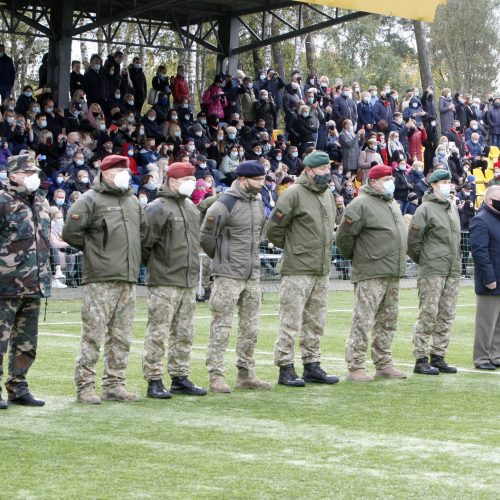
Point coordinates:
[(446, 110), (94, 112)]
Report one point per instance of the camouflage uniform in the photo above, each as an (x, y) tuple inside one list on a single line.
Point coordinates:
[(108, 311), (226, 294), (375, 308), (170, 313), (25, 274), (303, 305), (438, 298), (206, 274)]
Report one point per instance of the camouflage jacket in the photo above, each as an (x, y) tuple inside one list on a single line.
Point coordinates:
[(24, 244)]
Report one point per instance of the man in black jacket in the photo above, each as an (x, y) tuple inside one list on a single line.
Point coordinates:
[(7, 74), (138, 81), (95, 82)]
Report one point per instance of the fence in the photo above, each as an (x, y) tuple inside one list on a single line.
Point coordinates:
[(67, 266)]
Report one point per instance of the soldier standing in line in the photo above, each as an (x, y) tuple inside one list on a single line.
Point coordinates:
[(373, 234), (171, 253), (24, 273), (107, 223), (230, 235), (434, 244), (302, 223)]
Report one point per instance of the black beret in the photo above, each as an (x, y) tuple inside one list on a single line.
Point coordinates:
[(252, 168)]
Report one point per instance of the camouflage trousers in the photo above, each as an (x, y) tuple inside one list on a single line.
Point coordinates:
[(108, 312), (303, 303), (206, 273), (226, 294), (375, 309), (19, 327), (170, 316), (438, 298)]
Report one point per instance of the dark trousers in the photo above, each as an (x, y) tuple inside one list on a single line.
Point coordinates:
[(19, 328)]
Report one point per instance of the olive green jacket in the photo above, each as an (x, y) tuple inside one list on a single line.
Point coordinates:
[(171, 248), (107, 224), (231, 232), (434, 238), (302, 224), (373, 234)]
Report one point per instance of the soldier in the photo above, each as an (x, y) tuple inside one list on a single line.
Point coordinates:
[(230, 235), (302, 223), (107, 223), (24, 273), (434, 244), (373, 234), (171, 253)]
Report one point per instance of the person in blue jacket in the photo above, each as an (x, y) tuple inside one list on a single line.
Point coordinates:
[(485, 246)]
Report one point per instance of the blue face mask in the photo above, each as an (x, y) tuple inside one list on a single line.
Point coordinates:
[(389, 188)]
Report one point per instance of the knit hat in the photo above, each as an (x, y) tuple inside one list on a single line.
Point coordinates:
[(317, 159), (379, 171), (114, 161), (180, 169), (439, 175), (252, 168), (200, 183)]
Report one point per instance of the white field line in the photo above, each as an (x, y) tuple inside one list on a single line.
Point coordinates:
[(142, 320), (270, 354)]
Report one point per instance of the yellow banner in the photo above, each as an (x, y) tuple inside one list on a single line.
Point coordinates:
[(421, 10)]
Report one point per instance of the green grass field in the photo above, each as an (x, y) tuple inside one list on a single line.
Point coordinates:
[(420, 438)]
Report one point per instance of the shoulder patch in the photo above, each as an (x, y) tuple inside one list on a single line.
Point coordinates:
[(210, 221), (278, 216), (348, 220), (75, 216), (415, 227)]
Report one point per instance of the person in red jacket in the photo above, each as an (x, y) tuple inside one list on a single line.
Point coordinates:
[(179, 86), (415, 141)]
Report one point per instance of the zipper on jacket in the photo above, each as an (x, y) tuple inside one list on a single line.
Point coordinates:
[(105, 234)]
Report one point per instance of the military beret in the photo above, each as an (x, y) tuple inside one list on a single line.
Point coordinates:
[(379, 171), (22, 162), (317, 159), (252, 168), (180, 169), (439, 175), (114, 161)]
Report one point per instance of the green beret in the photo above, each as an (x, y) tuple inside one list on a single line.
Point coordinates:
[(440, 174), (22, 162), (317, 159)]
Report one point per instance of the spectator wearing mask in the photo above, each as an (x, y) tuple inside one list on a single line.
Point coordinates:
[(203, 167), (413, 201), (247, 99), (78, 163), (332, 143), (7, 74), (200, 191), (403, 186), (59, 200), (161, 108), (57, 245), (466, 212), (350, 143), (60, 180), (416, 140), (460, 112), (441, 157), (293, 161), (431, 143), (368, 158), (398, 125), (416, 173), (24, 101), (75, 77), (366, 117), (229, 164), (265, 109), (290, 100), (345, 107), (304, 128), (475, 128), (214, 99), (446, 110), (414, 111), (269, 194), (95, 83), (81, 183), (179, 86), (149, 154), (151, 127), (111, 69), (138, 82), (427, 100), (161, 84), (382, 111)]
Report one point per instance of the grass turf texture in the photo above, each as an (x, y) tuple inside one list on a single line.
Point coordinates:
[(423, 437)]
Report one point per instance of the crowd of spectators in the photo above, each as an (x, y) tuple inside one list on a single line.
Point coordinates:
[(113, 110)]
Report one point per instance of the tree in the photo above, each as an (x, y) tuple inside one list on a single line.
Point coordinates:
[(423, 54), (465, 45)]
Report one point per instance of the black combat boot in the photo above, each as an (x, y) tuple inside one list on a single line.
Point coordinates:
[(157, 391), (439, 363), (182, 385), (25, 399), (314, 373), (3, 404), (289, 377), (423, 367)]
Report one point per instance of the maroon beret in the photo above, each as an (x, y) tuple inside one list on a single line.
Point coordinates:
[(114, 161), (379, 171), (180, 169)]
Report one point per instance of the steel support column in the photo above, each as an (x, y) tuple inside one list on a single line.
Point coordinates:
[(229, 39), (59, 63)]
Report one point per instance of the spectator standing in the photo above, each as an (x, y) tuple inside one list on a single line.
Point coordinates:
[(7, 74), (95, 82), (179, 86), (350, 146), (485, 238), (446, 110), (139, 82), (76, 80)]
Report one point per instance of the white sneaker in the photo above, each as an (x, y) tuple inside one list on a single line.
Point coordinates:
[(59, 275), (57, 284)]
